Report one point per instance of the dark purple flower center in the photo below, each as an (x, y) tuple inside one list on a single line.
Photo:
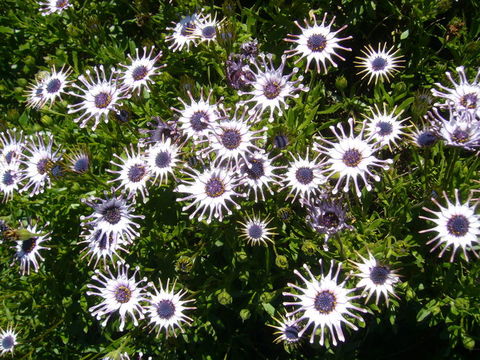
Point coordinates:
[(199, 120), (352, 157), (123, 294), (379, 274), (426, 138), (458, 225), (139, 72), (329, 220), (384, 128), (29, 244), (8, 178), (136, 172), (60, 4), (231, 139), (317, 43), (53, 86), (112, 214), (325, 302), (379, 63), (102, 100), (209, 32), (291, 333), (42, 166), (8, 342), (304, 175), (255, 231), (165, 309), (163, 159), (56, 171), (469, 101), (272, 89), (256, 170), (460, 136), (214, 187), (81, 165)]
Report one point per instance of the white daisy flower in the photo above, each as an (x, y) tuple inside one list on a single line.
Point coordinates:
[(162, 158), (10, 178), (304, 177), (100, 96), (233, 140), (326, 216), (101, 247), (183, 33), (113, 217), (457, 226), (28, 251), (36, 95), (379, 64), (376, 278), (141, 70), (166, 309), (54, 84), (259, 173), (256, 231), (11, 146), (210, 191), (39, 160), (460, 129), (53, 6), (271, 88), (133, 174), (464, 96), (318, 43), (385, 127), (287, 330), (197, 117), (351, 157), (8, 340), (121, 293), (324, 303), (205, 28)]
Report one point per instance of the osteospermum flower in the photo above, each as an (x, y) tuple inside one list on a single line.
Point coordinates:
[(39, 160), (324, 303), (162, 158), (385, 127), (304, 177), (197, 117), (182, 35), (379, 64), (210, 191), (112, 217), (351, 157), (119, 293), (11, 146), (424, 137), (376, 278), (141, 70), (28, 251), (233, 140), (326, 216), (78, 161), (160, 130), (100, 96), (99, 246), (134, 172), (54, 84), (53, 6), (205, 28), (287, 330), (259, 172), (166, 309), (10, 178), (36, 95), (270, 87), (460, 129), (8, 340), (457, 226), (464, 96), (318, 43), (256, 231)]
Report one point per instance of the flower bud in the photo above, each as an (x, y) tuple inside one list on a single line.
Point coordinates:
[(281, 261), (245, 314), (341, 83), (224, 298)]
